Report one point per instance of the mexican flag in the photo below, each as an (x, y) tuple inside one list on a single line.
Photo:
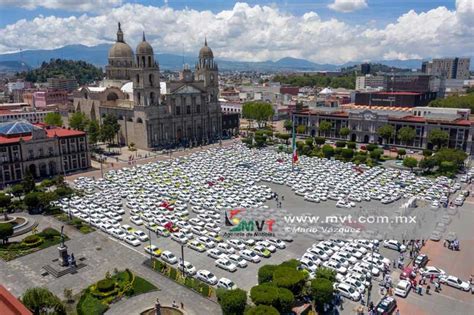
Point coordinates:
[(295, 153)]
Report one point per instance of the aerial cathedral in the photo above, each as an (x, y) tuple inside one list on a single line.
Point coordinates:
[(153, 113)]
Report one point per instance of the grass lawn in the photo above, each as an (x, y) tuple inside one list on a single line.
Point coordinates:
[(77, 223), (14, 250), (89, 305), (140, 286)]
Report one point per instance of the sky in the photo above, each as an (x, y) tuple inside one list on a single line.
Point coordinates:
[(323, 31)]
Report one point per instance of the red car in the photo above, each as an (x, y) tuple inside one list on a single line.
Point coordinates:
[(408, 273)]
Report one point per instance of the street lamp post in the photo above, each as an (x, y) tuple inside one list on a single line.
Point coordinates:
[(182, 259), (151, 253)]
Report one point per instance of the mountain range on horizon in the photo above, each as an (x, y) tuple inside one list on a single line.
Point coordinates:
[(97, 55)]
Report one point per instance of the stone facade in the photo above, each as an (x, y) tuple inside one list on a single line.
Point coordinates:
[(152, 114)]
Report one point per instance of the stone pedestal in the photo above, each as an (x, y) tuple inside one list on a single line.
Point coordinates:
[(63, 256)]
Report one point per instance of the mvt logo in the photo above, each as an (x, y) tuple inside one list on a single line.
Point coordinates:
[(243, 220)]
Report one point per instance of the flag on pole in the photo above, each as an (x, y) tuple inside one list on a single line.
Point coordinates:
[(295, 152)]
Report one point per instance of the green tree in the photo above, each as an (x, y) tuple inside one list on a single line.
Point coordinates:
[(340, 144), (265, 273), (17, 190), (53, 119), (93, 131), (427, 153), (260, 138), (461, 101), (319, 140), (351, 145), (301, 129), (410, 162), (427, 164), (28, 183), (438, 138), (232, 302), (262, 310), (322, 291), (450, 155), (6, 231), (401, 152), (78, 121), (285, 301), (344, 132), (110, 128), (289, 278), (376, 154), (326, 273), (328, 151), (386, 132), (32, 200), (309, 141), (324, 127), (288, 125), (406, 135), (347, 153), (41, 301), (261, 112), (371, 147), (5, 203), (285, 137), (266, 294)]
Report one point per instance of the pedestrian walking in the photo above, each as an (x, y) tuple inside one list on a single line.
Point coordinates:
[(362, 298), (282, 197), (342, 304), (428, 289), (182, 305), (431, 278), (397, 312)]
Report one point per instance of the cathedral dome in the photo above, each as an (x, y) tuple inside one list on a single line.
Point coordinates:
[(205, 51), (144, 48), (120, 50)]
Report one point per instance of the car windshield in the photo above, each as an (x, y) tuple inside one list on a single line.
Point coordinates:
[(401, 286)]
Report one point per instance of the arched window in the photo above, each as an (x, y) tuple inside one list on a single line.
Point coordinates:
[(112, 96), (138, 61), (139, 120), (143, 61), (138, 98), (149, 61), (151, 79)]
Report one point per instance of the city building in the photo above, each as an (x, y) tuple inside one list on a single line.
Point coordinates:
[(364, 68), (394, 99), (44, 98), (41, 150), (150, 114), (61, 83), (230, 124), (409, 82), (450, 68), (29, 115), (364, 123), (375, 82)]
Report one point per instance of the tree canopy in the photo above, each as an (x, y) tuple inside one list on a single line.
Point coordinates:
[(261, 112), (232, 302), (344, 131), (464, 101), (438, 137), (53, 119), (410, 162), (78, 121), (83, 72), (386, 131), (406, 134), (109, 129), (6, 230), (317, 80), (325, 126), (41, 300)]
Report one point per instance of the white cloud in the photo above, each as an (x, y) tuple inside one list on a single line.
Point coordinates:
[(256, 33), (346, 6), (69, 5)]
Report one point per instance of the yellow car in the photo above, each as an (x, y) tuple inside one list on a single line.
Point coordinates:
[(154, 250)]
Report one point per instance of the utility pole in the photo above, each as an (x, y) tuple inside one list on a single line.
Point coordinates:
[(182, 259)]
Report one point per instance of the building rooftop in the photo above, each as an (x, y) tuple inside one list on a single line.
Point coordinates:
[(16, 127), (10, 305), (12, 132)]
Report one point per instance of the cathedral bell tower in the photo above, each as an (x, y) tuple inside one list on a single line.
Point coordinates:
[(207, 71), (146, 76)]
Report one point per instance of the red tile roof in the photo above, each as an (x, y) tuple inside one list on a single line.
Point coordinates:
[(409, 118), (10, 305), (51, 133)]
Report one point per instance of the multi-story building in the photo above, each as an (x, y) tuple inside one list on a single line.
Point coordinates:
[(44, 98), (31, 116), (186, 111), (394, 99), (364, 123), (43, 151), (61, 83), (364, 68), (450, 68), (375, 82)]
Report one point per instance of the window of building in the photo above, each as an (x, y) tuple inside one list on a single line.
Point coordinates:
[(198, 108), (177, 110), (188, 109), (151, 79), (149, 61), (31, 154)]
